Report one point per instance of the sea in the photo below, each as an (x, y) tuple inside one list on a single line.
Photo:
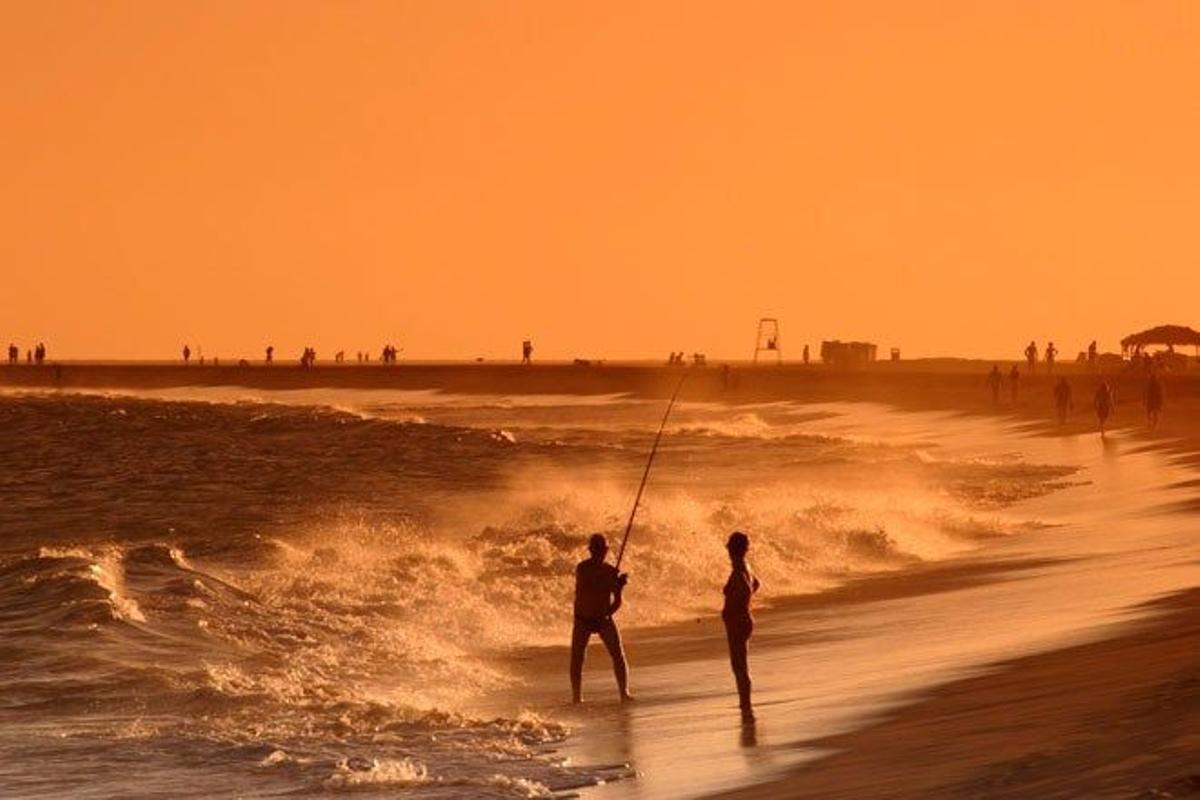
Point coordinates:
[(223, 592)]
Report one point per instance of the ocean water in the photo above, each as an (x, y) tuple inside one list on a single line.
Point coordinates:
[(219, 593)]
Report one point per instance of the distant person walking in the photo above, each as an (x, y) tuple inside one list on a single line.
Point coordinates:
[(735, 613), (1014, 383), (1031, 356), (1103, 402), (527, 352), (1051, 352), (1062, 400), (598, 588), (187, 354), (1153, 396), (995, 381)]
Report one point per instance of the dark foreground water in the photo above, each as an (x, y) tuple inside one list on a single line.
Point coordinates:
[(217, 594)]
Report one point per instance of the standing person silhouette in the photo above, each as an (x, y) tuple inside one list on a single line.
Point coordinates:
[(1051, 352), (1102, 400), (1062, 400), (739, 588), (995, 380), (1031, 356), (598, 588), (1154, 400)]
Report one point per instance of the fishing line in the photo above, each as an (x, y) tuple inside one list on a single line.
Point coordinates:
[(645, 475)]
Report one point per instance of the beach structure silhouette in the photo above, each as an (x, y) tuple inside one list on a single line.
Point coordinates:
[(766, 340)]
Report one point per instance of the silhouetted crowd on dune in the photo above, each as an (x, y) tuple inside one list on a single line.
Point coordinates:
[(1104, 397), (37, 355)]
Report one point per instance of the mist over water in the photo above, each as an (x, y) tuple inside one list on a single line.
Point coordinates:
[(214, 591)]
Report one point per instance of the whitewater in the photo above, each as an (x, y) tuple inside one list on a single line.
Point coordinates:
[(218, 592)]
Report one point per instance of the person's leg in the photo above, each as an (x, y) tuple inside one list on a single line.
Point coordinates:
[(738, 636), (579, 642), (612, 640)]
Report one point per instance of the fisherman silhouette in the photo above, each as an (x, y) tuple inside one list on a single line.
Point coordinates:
[(736, 615), (1062, 400), (598, 587), (1154, 400), (1102, 400), (995, 380)]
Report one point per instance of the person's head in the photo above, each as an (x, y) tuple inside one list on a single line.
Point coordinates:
[(598, 546), (738, 545)]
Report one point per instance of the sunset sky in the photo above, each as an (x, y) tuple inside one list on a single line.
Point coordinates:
[(611, 179)]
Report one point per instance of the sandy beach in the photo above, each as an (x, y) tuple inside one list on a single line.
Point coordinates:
[(1097, 698)]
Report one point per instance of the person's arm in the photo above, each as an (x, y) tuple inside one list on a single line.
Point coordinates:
[(618, 589)]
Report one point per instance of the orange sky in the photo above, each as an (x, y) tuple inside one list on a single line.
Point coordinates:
[(612, 179)]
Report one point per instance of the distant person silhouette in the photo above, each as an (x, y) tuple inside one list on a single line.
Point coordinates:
[(1154, 399), (1051, 352), (1031, 356), (739, 588), (1102, 401), (527, 352), (805, 354), (1062, 400), (14, 354), (1092, 354), (995, 381), (187, 354), (1014, 383), (270, 354), (598, 588)]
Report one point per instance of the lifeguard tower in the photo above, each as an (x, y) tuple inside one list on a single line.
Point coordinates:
[(767, 340)]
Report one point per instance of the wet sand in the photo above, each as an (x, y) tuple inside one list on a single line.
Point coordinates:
[(1116, 718), (1117, 715)]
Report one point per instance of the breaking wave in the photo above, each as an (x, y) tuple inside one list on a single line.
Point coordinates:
[(309, 599)]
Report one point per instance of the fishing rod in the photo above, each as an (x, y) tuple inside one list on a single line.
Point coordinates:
[(645, 475)]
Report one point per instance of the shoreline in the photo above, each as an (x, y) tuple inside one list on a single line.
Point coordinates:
[(1118, 717), (951, 385), (1111, 717)]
